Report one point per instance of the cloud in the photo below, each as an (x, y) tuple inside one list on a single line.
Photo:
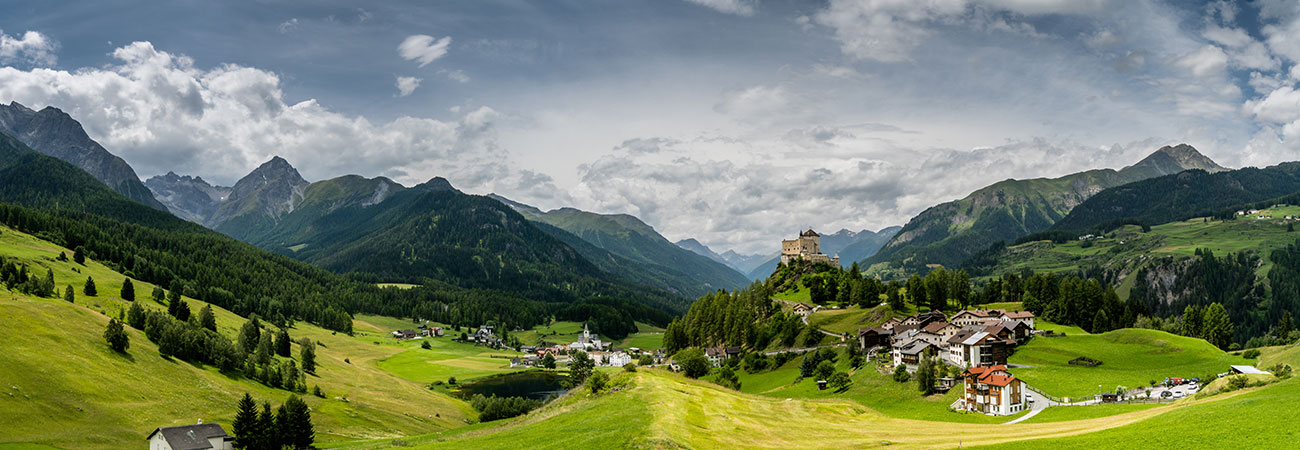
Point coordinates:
[(287, 26), (423, 48), (646, 145), (407, 85), (737, 7), (31, 48), (455, 75), (755, 101), (1204, 61), (161, 112)]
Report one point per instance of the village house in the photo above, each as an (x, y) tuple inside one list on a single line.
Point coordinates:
[(875, 337), (616, 359), (891, 323), (803, 309), (715, 355), (993, 391), (191, 437), (909, 353), (974, 349), (923, 319), (431, 331), (405, 334)]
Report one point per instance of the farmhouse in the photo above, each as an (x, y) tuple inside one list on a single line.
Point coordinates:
[(803, 309), (405, 334), (992, 391), (874, 337), (909, 353), (191, 437)]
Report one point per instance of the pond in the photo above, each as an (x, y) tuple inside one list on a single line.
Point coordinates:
[(536, 385)]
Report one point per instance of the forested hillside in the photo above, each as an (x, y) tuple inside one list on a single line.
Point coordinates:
[(949, 233), (1189, 194), (51, 199)]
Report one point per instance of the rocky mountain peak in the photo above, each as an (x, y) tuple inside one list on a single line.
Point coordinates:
[(436, 184)]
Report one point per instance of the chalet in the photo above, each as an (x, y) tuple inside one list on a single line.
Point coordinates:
[(992, 391), (874, 337), (715, 355), (1020, 316), (889, 324), (732, 351), (977, 316), (909, 353), (431, 331), (405, 334), (803, 309), (924, 319), (191, 437), (974, 349)]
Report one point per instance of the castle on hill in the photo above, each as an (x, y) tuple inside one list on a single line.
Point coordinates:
[(807, 247)]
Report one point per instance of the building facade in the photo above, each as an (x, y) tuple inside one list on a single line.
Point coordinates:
[(993, 391), (807, 247)]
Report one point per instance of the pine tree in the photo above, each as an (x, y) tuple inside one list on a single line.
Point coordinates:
[(1217, 328), (69, 294), (925, 375), (264, 349), (207, 320), (159, 294), (1284, 327), (116, 336), (297, 430), (245, 426), (267, 437), (282, 342), (79, 255), (250, 335), (1100, 324), (128, 290), (90, 287), (135, 316), (308, 356)]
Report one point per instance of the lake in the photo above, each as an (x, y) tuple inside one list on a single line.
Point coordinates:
[(536, 385)]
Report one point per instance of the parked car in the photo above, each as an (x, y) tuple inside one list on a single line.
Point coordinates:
[(1178, 395), (1166, 394)]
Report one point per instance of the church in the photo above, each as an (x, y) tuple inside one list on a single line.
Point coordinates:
[(587, 342), (807, 247)]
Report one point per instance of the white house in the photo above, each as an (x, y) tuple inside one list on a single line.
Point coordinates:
[(992, 391), (191, 437)]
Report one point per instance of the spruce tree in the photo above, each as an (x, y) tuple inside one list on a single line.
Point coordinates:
[(135, 316), (116, 336), (159, 294), (308, 356), (206, 319), (297, 430), (245, 425), (925, 375), (267, 436), (69, 294), (250, 335), (79, 255), (90, 287), (282, 342), (1284, 327), (264, 349), (128, 290), (1216, 327)]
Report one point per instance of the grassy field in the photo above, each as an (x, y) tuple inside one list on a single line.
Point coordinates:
[(1130, 358), (558, 332), (1128, 249), (801, 295), (849, 320), (446, 359), (1068, 413), (69, 390), (397, 285), (663, 410)]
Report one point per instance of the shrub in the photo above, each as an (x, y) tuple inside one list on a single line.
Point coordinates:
[(1250, 354), (629, 367), (728, 378), (840, 381), (597, 381), (693, 363), (901, 375), (1238, 382), (425, 345)]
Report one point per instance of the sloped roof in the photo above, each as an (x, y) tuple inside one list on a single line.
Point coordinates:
[(1249, 370), (809, 233), (934, 327), (190, 437), (1020, 315)]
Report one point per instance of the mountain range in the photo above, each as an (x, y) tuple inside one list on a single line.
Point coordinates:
[(948, 233), (53, 132)]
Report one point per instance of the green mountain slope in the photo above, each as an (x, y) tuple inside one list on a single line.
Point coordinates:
[(643, 255), (948, 233), (1188, 194), (69, 389)]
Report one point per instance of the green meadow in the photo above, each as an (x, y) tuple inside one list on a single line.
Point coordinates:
[(1130, 357)]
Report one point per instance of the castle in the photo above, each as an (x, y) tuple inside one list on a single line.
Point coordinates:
[(808, 248)]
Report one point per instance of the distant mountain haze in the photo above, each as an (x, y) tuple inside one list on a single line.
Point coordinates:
[(52, 132), (950, 232), (190, 198), (656, 261)]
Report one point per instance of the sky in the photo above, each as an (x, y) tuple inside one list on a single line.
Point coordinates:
[(736, 122)]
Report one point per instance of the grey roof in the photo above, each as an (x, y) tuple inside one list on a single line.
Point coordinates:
[(975, 338), (1249, 370), (190, 437), (915, 347)]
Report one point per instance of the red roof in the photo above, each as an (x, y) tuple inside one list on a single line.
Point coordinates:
[(997, 380), (1020, 315), (934, 327)]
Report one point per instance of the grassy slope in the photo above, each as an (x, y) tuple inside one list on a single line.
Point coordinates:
[(663, 410), (71, 391), (1131, 358), (1171, 239), (1253, 418)]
